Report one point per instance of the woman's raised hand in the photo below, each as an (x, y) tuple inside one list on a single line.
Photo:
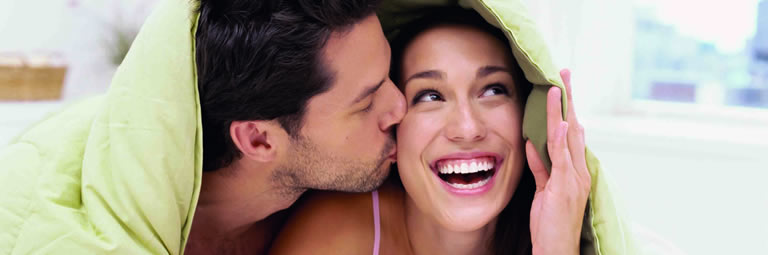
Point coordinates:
[(561, 197)]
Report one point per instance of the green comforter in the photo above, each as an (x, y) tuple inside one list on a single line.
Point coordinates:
[(121, 173)]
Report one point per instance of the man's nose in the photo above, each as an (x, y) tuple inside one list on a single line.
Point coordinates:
[(464, 124), (396, 106)]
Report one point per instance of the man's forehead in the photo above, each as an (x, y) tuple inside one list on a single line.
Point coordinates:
[(357, 59), (367, 32)]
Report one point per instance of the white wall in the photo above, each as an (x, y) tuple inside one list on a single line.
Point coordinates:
[(78, 30)]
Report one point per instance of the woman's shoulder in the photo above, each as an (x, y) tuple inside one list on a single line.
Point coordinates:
[(327, 222)]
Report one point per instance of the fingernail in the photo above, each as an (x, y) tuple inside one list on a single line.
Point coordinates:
[(556, 91)]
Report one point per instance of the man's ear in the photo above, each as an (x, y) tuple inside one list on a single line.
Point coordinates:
[(257, 139)]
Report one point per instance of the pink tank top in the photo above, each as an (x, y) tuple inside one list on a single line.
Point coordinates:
[(376, 223)]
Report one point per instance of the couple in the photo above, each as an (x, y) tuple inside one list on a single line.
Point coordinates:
[(225, 112), (462, 184)]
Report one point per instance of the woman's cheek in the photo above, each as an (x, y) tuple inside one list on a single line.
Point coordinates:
[(504, 117), (415, 133), (419, 127)]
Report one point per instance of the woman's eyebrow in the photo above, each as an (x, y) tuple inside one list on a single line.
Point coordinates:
[(488, 70), (429, 74)]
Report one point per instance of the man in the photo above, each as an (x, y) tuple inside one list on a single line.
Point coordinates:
[(298, 98), (199, 141)]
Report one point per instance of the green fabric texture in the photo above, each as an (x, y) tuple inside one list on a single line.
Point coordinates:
[(605, 230), (116, 174), (121, 173)]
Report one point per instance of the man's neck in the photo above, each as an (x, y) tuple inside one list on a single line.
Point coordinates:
[(256, 239), (428, 237), (234, 213)]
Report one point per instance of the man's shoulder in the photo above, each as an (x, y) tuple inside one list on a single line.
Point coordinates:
[(327, 222)]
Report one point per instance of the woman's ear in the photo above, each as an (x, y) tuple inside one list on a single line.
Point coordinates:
[(257, 140)]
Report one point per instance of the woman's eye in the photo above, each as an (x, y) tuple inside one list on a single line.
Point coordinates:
[(495, 89), (427, 96)]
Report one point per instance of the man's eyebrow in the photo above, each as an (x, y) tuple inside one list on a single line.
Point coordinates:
[(429, 74), (367, 92), (488, 70)]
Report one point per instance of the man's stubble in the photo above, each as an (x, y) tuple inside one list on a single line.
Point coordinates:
[(312, 168)]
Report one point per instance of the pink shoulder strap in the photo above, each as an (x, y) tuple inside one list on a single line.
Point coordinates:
[(376, 223)]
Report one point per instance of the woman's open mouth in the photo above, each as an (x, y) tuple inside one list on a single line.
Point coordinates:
[(467, 174)]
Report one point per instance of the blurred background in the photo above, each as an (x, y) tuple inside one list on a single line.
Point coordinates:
[(673, 94)]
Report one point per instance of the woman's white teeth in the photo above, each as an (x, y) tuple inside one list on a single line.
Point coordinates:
[(471, 185), (466, 168)]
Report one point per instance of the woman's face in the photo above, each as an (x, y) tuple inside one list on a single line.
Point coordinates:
[(460, 148)]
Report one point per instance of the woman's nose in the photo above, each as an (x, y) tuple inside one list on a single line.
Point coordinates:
[(465, 125)]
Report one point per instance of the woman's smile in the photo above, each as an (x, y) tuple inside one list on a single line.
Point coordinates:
[(467, 173)]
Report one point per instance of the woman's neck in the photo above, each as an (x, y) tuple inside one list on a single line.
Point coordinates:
[(427, 236)]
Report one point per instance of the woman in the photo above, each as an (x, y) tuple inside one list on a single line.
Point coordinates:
[(465, 188)]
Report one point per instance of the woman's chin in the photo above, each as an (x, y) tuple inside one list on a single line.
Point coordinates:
[(467, 219)]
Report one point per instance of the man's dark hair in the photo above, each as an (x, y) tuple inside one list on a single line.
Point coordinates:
[(263, 60)]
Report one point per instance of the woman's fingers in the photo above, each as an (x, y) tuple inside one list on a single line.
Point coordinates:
[(576, 142), (557, 133), (538, 169), (577, 150), (565, 191), (562, 165), (565, 75), (554, 117)]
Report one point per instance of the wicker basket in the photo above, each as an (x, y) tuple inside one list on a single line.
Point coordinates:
[(24, 81)]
